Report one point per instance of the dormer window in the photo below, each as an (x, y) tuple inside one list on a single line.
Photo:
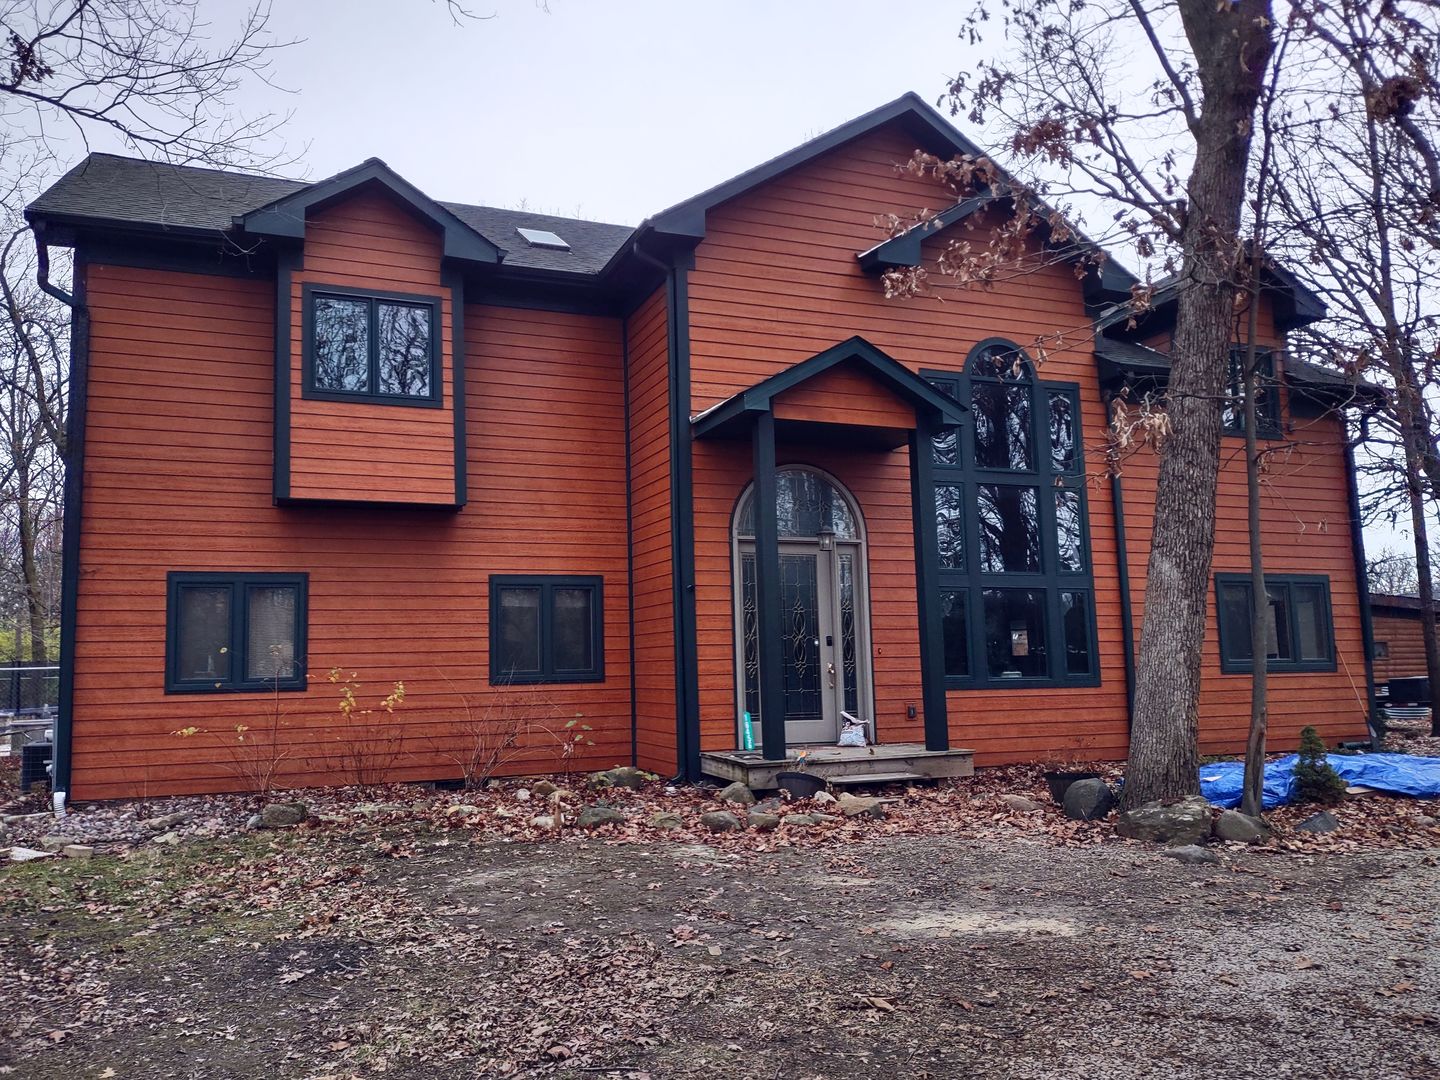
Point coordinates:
[(380, 347)]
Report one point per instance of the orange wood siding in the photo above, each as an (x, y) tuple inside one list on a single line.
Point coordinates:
[(1405, 642), (178, 477), (775, 282), (654, 568), (1305, 523), (408, 453), (839, 396)]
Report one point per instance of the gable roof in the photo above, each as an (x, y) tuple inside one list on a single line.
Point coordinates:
[(285, 217), (108, 190)]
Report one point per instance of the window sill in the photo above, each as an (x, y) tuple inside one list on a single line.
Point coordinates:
[(547, 680), (1242, 667), (234, 688), (1036, 683), (435, 401)]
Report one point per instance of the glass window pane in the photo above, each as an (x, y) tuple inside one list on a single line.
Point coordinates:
[(1277, 629), (270, 631), (1015, 633), (1002, 426), (1009, 529), (1062, 432), (572, 633), (342, 344), (950, 525), (203, 633), (956, 628), (517, 641), (1075, 625), (1069, 537), (999, 361), (947, 441), (1234, 617), (849, 655), (1312, 628), (405, 355), (805, 502)]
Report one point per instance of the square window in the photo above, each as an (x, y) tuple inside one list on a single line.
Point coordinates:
[(1015, 633), (342, 345), (1267, 394), (371, 348), (235, 632), (1009, 529), (1299, 635), (546, 630), (405, 350)]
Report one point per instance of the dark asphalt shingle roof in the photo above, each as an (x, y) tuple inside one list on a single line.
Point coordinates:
[(108, 187)]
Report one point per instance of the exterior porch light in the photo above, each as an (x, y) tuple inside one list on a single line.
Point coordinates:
[(827, 538)]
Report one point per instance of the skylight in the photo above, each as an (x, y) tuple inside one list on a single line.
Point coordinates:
[(543, 238)]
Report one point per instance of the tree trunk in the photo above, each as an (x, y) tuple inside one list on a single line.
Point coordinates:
[(1252, 798), (34, 587), (1232, 46), (1424, 574)]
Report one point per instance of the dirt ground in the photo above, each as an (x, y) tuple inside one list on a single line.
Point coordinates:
[(415, 950)]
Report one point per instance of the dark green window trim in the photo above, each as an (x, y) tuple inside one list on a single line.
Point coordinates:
[(239, 586), (1268, 421), (1234, 661), (967, 579), (310, 291), (547, 671)]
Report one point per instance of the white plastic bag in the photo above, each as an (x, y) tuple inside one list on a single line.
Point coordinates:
[(853, 732)]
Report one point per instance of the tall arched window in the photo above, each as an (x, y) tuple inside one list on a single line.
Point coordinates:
[(1016, 592)]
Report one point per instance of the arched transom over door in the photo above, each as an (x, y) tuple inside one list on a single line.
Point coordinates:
[(823, 601)]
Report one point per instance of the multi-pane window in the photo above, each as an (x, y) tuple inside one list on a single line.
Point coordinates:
[(546, 629), (235, 632), (379, 348), (1299, 635), (1016, 598), (1267, 394)]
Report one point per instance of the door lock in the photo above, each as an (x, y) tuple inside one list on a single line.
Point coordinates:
[(830, 669)]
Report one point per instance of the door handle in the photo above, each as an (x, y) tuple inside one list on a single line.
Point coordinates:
[(830, 670)]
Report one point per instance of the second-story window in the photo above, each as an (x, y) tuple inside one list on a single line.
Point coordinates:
[(1267, 394), (371, 347)]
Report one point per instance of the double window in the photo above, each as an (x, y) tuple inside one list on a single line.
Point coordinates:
[(1267, 394), (235, 632), (1016, 599), (546, 629), (368, 347), (1299, 634)]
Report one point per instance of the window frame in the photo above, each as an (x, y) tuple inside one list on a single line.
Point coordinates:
[(1050, 580), (1269, 422), (1230, 665), (239, 585), (312, 290), (547, 674)]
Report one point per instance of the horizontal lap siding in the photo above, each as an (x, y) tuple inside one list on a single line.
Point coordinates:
[(646, 336), (1404, 637), (1305, 527), (395, 594), (839, 396), (370, 242), (775, 282)]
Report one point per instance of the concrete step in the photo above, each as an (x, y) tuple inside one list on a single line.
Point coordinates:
[(879, 778)]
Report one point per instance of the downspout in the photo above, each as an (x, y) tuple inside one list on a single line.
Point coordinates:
[(1122, 566), (629, 541), (1362, 584), (74, 491)]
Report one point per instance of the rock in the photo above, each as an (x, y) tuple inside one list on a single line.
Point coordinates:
[(543, 821), (1322, 822), (169, 839), (1088, 800), (1183, 822), (543, 789), (1240, 828), (77, 851), (464, 810), (281, 815), (253, 821), (798, 819), (561, 795), (522, 794), (1020, 803), (1425, 821), (762, 822), (25, 854), (821, 819), (721, 821), (861, 805), (737, 793), (666, 820), (167, 822), (768, 806), (54, 842), (592, 817), (626, 776), (1191, 855), (822, 798), (372, 809)]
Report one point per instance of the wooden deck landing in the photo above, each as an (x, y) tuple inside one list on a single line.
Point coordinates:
[(842, 765)]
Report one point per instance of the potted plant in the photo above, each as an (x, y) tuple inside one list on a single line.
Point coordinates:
[(1058, 778)]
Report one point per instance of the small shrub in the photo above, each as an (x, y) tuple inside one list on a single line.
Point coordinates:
[(1315, 780)]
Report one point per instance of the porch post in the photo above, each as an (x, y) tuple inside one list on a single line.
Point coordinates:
[(767, 592), (927, 584)]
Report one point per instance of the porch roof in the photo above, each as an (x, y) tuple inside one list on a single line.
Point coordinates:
[(734, 417)]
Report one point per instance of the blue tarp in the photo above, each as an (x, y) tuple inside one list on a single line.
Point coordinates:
[(1399, 774)]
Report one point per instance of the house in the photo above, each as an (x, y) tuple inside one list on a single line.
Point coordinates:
[(1399, 637), (619, 489)]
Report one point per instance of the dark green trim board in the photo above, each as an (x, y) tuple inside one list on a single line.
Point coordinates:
[(211, 256), (1122, 567), (1357, 554), (74, 500), (455, 282), (287, 261), (545, 585), (629, 544), (767, 591), (239, 585), (311, 291), (927, 585)]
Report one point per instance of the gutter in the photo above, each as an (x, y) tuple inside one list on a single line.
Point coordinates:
[(1122, 566)]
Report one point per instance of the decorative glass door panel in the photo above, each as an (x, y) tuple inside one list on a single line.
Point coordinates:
[(800, 621)]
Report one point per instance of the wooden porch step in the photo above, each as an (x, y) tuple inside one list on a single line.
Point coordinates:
[(879, 778), (887, 763)]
